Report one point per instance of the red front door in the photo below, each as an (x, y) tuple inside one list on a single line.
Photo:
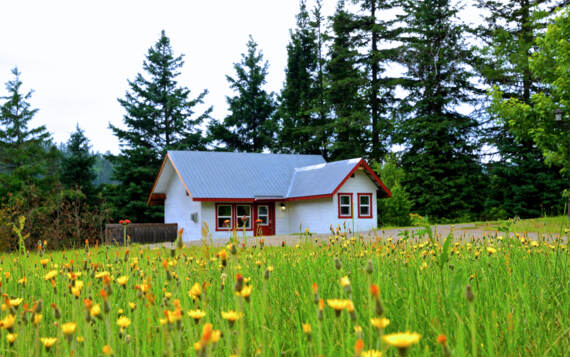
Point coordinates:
[(264, 219)]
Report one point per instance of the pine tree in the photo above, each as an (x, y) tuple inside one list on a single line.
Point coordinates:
[(27, 156), (443, 175), (304, 122), (523, 184), (344, 92), (160, 116), (250, 127), (77, 165)]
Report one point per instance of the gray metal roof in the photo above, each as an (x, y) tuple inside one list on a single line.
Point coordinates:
[(320, 179), (239, 175)]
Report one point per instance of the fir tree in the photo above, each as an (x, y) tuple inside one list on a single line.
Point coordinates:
[(27, 156), (377, 33), (344, 92), (443, 176), (250, 126), (160, 116), (304, 121), (77, 165)]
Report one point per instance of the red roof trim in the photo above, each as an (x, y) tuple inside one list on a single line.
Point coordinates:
[(370, 172), (308, 197)]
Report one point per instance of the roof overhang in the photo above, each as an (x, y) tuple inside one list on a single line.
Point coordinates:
[(156, 196)]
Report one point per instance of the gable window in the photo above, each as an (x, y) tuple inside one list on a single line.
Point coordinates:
[(345, 205), (364, 205), (243, 216), (224, 218)]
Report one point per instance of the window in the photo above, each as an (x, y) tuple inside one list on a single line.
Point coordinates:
[(364, 205), (243, 216), (345, 205), (263, 215), (224, 218)]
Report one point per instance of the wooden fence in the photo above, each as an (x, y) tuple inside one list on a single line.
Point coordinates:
[(141, 233)]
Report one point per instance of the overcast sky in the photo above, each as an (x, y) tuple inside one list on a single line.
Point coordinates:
[(77, 56)]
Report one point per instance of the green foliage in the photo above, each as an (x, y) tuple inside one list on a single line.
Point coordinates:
[(344, 92), (304, 122), (395, 210), (27, 156), (160, 116), (18, 229), (443, 175), (77, 166), (535, 118), (250, 126)]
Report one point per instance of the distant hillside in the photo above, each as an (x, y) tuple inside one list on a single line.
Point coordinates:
[(103, 169)]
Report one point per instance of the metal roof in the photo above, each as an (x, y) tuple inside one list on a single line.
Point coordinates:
[(238, 175), (320, 179), (210, 175)]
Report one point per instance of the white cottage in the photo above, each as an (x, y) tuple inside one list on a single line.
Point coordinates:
[(268, 193)]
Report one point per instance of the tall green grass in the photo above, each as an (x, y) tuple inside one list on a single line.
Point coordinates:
[(520, 307)]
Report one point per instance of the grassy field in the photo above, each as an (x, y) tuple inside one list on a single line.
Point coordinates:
[(503, 296), (539, 225)]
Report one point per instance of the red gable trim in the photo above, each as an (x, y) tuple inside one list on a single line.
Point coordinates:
[(370, 172), (362, 163)]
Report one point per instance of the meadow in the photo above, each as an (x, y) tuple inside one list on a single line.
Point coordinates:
[(423, 295)]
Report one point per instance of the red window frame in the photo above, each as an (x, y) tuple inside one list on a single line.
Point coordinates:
[(234, 224), (351, 204), (369, 205)]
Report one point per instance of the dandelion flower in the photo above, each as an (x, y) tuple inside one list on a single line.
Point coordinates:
[(122, 280), (11, 338), (196, 314), (380, 322), (123, 322), (52, 274), (371, 353), (402, 340), (68, 328), (231, 316), (8, 322), (48, 342), (195, 292)]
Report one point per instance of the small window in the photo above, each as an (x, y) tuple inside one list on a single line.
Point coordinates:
[(243, 216), (224, 214), (364, 205), (345, 205), (263, 215)]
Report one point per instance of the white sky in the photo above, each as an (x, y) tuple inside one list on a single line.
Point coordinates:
[(77, 56)]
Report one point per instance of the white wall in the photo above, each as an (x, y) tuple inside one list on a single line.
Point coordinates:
[(319, 214), (178, 207)]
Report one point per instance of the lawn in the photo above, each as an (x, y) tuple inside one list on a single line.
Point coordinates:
[(540, 225), (502, 296)]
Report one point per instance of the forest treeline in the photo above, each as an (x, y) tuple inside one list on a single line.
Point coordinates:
[(461, 122)]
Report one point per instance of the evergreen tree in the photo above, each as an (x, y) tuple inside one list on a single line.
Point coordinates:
[(250, 126), (160, 116), (304, 122), (443, 176), (344, 92), (77, 165), (522, 183), (27, 156), (377, 33)]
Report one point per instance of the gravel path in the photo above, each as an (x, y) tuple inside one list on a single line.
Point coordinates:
[(461, 231)]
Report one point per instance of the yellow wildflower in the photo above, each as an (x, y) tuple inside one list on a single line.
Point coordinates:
[(123, 322), (402, 340), (380, 322), (68, 328), (52, 274)]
